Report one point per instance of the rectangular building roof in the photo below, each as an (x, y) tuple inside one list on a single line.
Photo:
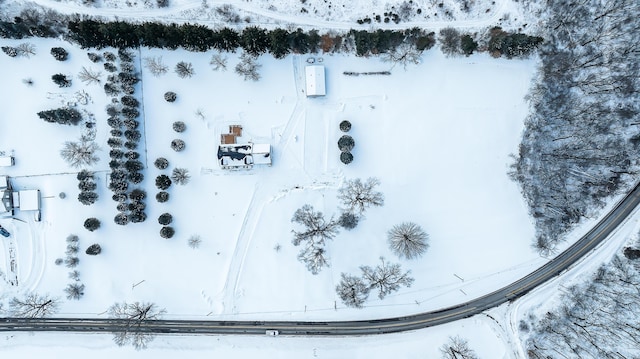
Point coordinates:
[(29, 200), (315, 80)]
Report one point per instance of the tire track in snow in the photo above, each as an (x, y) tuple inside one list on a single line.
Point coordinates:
[(176, 14)]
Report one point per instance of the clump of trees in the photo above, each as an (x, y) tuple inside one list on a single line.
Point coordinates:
[(88, 195), (63, 115), (316, 231), (385, 278)]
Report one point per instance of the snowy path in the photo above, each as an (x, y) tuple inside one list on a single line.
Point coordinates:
[(11, 262), (176, 13), (242, 244)]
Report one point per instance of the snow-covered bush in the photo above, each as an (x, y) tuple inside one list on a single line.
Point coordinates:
[(167, 232), (184, 69), (177, 145), (59, 53), (163, 182), (121, 219), (170, 96), (10, 51), (179, 126), (63, 115), (165, 219), (162, 196), (345, 126), (180, 176), (161, 163), (94, 250), (346, 143), (93, 57), (346, 157), (348, 220)]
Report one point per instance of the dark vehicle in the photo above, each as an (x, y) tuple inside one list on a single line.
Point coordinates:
[(4, 232)]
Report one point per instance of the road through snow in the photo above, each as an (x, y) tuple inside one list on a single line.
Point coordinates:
[(175, 13)]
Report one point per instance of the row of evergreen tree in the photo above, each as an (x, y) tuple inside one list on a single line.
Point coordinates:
[(91, 33)]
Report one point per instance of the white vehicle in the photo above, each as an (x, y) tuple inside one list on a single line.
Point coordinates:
[(272, 333)]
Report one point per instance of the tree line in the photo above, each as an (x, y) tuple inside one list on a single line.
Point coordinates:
[(279, 42)]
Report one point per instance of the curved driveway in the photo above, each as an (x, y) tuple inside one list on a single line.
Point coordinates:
[(361, 327)]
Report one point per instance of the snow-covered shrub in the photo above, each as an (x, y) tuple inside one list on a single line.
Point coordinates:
[(10, 51), (93, 57), (165, 219), (91, 224), (345, 126), (137, 195), (194, 241), (162, 196), (87, 197), (129, 101), (130, 123), (179, 126), (63, 115), (167, 232), (184, 69), (346, 157), (346, 143), (94, 249), (161, 163), (170, 96), (138, 216), (110, 67), (180, 176), (177, 145), (109, 56), (59, 53), (348, 220), (163, 182), (121, 219)]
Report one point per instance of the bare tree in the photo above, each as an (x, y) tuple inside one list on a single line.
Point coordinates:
[(180, 176), (74, 291), (316, 230), (72, 262), (194, 241), (457, 348), (26, 49), (184, 69), (134, 315), (357, 196), (314, 257), (75, 275), (352, 290), (404, 54), (408, 240), (89, 76), (33, 305), (155, 66), (248, 67), (80, 153), (386, 277), (449, 41), (218, 62)]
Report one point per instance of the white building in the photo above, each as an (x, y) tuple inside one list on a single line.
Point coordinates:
[(6, 161), (316, 83), (231, 156)]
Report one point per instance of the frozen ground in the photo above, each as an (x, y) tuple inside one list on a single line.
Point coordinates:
[(437, 135)]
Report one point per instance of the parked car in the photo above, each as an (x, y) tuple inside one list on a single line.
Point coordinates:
[(4, 232), (272, 333)]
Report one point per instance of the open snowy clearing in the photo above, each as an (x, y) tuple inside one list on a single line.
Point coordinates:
[(438, 136)]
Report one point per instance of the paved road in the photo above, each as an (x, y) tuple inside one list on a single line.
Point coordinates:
[(363, 327)]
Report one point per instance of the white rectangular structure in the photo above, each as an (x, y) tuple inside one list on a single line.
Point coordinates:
[(6, 161), (315, 81), (246, 155), (29, 200)]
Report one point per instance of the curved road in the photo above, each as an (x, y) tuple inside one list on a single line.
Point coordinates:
[(362, 327)]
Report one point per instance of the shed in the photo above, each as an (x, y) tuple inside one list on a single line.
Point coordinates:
[(315, 80), (28, 200), (6, 161)]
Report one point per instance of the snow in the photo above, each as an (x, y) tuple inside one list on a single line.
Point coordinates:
[(438, 136)]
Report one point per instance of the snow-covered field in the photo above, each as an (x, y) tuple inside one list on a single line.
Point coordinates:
[(438, 136)]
